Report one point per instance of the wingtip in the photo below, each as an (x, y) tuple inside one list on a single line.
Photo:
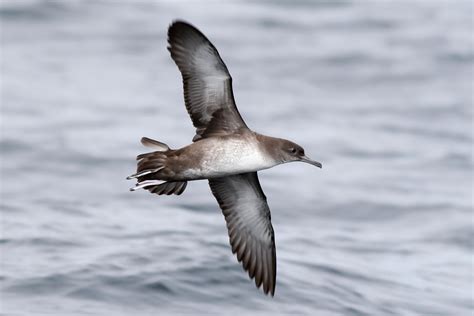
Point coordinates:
[(176, 24), (179, 29), (269, 292)]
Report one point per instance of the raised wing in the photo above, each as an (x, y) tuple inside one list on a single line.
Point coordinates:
[(207, 83), (246, 212)]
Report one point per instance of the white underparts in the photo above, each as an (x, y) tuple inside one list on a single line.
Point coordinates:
[(230, 156)]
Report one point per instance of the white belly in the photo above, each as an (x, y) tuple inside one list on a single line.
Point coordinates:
[(231, 156)]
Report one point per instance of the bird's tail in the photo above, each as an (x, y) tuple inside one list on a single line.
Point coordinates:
[(149, 166)]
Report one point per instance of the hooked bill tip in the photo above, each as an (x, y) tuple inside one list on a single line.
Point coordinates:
[(312, 162)]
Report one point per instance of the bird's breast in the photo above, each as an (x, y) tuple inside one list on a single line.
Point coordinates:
[(221, 157)]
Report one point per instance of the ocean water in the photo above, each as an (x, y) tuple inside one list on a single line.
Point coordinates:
[(380, 92)]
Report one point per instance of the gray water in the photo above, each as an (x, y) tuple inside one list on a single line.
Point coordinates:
[(380, 93)]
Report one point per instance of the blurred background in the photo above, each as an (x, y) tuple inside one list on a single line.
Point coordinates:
[(379, 92)]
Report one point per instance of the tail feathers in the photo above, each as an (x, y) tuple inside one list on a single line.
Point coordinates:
[(151, 143), (168, 188), (149, 163), (144, 173), (153, 166), (154, 163), (144, 184)]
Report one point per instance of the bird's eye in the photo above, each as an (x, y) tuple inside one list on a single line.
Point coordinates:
[(293, 150)]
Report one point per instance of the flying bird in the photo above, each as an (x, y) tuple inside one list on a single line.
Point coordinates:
[(224, 151)]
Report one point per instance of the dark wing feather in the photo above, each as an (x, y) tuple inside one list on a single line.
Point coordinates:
[(247, 214), (206, 80)]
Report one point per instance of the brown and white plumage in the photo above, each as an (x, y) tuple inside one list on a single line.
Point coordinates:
[(224, 151), (210, 103)]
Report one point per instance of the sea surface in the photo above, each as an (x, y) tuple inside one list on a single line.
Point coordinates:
[(380, 92)]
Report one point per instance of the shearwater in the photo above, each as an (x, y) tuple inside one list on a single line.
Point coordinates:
[(224, 151)]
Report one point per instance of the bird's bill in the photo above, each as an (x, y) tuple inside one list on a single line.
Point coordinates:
[(311, 162)]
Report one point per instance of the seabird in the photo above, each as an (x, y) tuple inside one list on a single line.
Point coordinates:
[(224, 151)]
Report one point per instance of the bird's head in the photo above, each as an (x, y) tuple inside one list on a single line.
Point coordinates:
[(290, 151)]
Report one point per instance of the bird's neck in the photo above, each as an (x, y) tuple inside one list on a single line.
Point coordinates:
[(271, 147)]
